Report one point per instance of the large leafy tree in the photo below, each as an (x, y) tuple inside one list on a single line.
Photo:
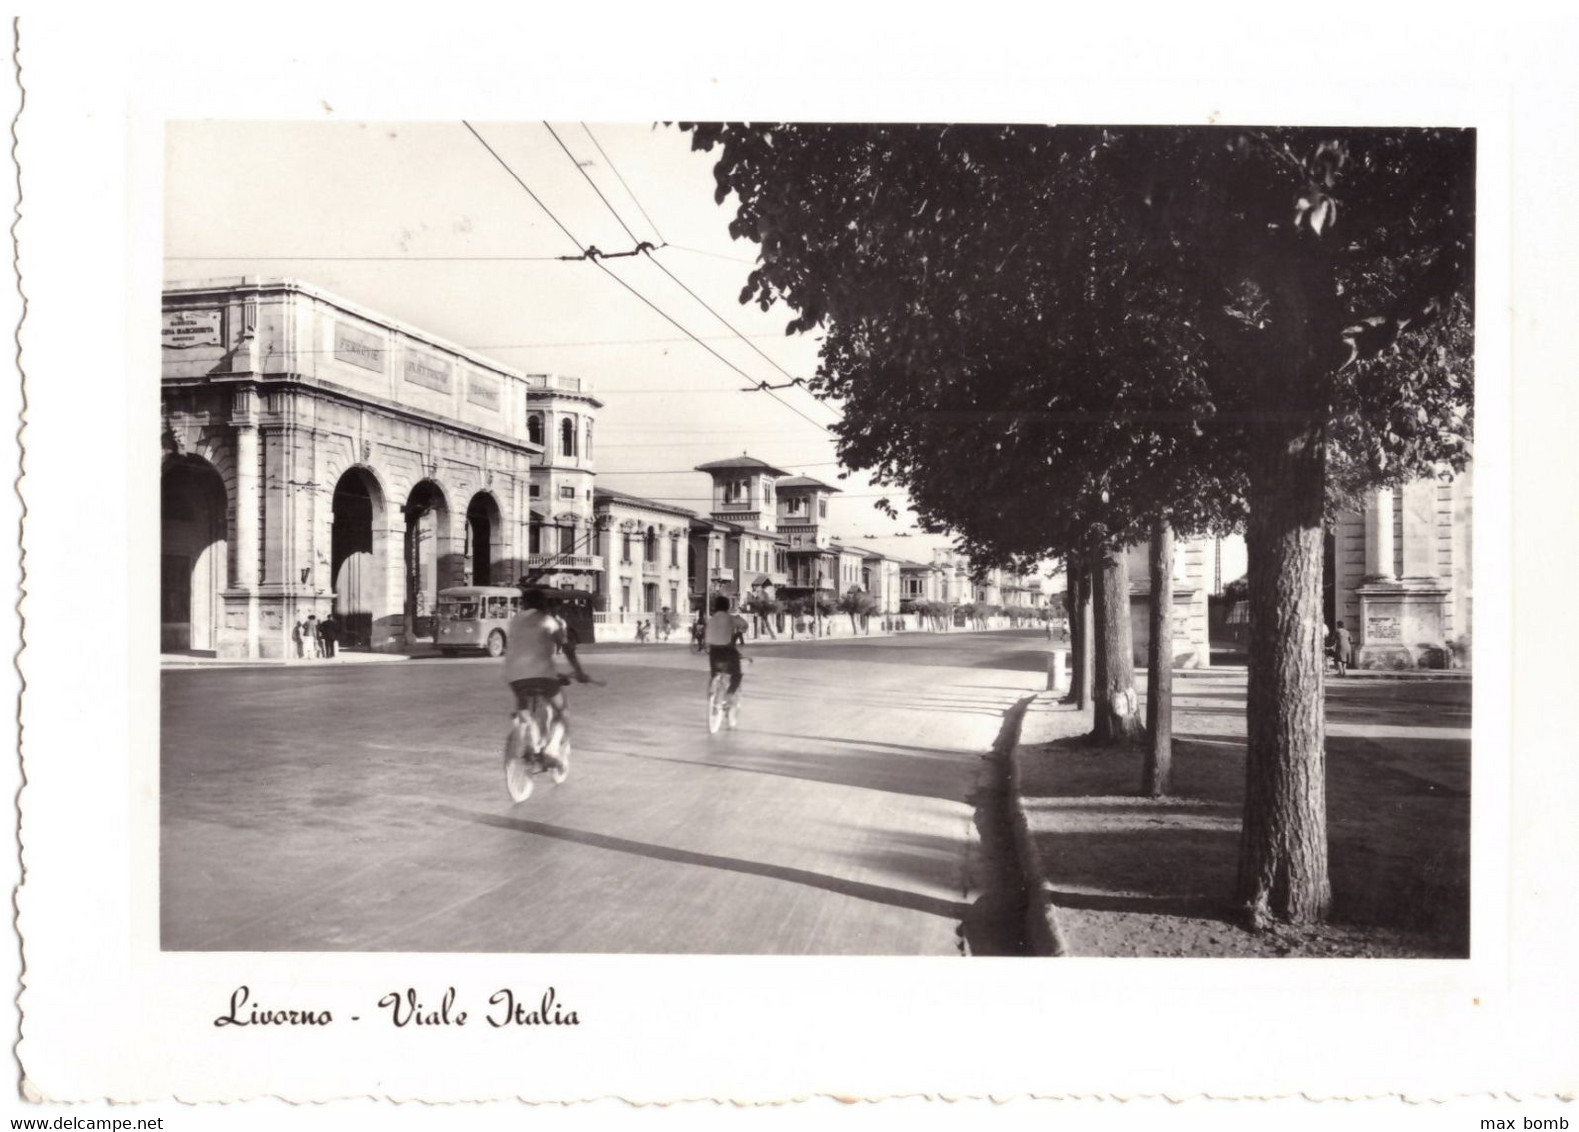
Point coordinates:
[(1135, 325)]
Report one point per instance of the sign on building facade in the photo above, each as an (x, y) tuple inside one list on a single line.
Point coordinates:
[(191, 328)]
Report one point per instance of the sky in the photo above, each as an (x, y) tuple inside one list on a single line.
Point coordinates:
[(435, 224)]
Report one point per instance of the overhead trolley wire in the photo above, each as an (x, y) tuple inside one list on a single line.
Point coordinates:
[(596, 257), (506, 166), (631, 193), (588, 178), (647, 250)]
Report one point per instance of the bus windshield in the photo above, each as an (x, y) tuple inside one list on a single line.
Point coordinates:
[(457, 609)]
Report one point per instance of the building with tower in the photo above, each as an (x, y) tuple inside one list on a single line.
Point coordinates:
[(812, 561), (743, 527), (321, 459), (560, 414)]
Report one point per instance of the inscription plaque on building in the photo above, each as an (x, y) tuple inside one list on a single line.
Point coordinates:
[(428, 371), (482, 390), (190, 328), (359, 347), (1382, 629)]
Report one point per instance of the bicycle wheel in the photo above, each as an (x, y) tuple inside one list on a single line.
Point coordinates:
[(715, 703), (562, 771), (517, 768)]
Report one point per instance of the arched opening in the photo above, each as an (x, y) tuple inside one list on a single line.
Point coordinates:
[(354, 556), (649, 546), (192, 563), (567, 437), (484, 540), (534, 428), (428, 561)]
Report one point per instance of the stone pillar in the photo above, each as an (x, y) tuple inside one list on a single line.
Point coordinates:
[(1379, 536), (238, 631), (1419, 530), (1401, 621)]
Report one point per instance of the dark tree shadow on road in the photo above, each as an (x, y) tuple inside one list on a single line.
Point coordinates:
[(860, 890)]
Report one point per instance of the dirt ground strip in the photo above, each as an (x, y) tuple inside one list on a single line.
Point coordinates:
[(1132, 876)]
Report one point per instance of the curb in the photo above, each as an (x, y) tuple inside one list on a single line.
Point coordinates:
[(1357, 675), (1042, 931)]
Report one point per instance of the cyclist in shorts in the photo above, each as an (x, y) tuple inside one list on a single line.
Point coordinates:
[(529, 668), (724, 634)]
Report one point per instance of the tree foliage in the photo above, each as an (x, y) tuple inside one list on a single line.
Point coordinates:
[(1050, 337), (1085, 317)]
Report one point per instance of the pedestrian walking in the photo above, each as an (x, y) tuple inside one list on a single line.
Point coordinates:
[(311, 638), (299, 635), (1344, 652), (329, 636), (641, 631)]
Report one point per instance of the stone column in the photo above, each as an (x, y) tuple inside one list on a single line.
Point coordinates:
[(1419, 529), (248, 513), (1379, 537), (238, 631)]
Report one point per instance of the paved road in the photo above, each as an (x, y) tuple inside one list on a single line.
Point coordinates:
[(363, 808)]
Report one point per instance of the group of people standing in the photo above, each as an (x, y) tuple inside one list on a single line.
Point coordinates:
[(315, 639), (660, 629)]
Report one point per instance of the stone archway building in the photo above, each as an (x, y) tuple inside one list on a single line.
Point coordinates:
[(320, 458)]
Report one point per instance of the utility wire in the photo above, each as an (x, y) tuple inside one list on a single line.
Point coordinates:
[(506, 166), (378, 258), (615, 170), (715, 255), (595, 257), (588, 178), (646, 248)]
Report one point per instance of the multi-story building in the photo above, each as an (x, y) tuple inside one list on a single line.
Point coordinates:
[(880, 578), (709, 575), (644, 547), (319, 458), (560, 413), (745, 512), (848, 566), (919, 581), (803, 518), (954, 576)]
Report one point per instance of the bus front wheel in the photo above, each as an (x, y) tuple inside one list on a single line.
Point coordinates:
[(496, 643)]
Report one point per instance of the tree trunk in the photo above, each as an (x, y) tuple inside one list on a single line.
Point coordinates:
[(1159, 667), (1073, 614), (1283, 843), (1084, 673), (1116, 716)]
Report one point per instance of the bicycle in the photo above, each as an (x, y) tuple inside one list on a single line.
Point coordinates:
[(718, 701), (532, 747)]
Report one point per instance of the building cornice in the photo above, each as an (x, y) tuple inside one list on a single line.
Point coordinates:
[(331, 391)]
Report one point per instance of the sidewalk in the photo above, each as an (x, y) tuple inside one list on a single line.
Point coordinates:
[(1111, 873), (182, 660), (1454, 674)]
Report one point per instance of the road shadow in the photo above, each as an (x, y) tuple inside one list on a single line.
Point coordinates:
[(860, 890)]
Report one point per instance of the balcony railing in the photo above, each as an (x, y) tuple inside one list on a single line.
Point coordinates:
[(563, 562), (557, 381), (739, 512), (651, 569)]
